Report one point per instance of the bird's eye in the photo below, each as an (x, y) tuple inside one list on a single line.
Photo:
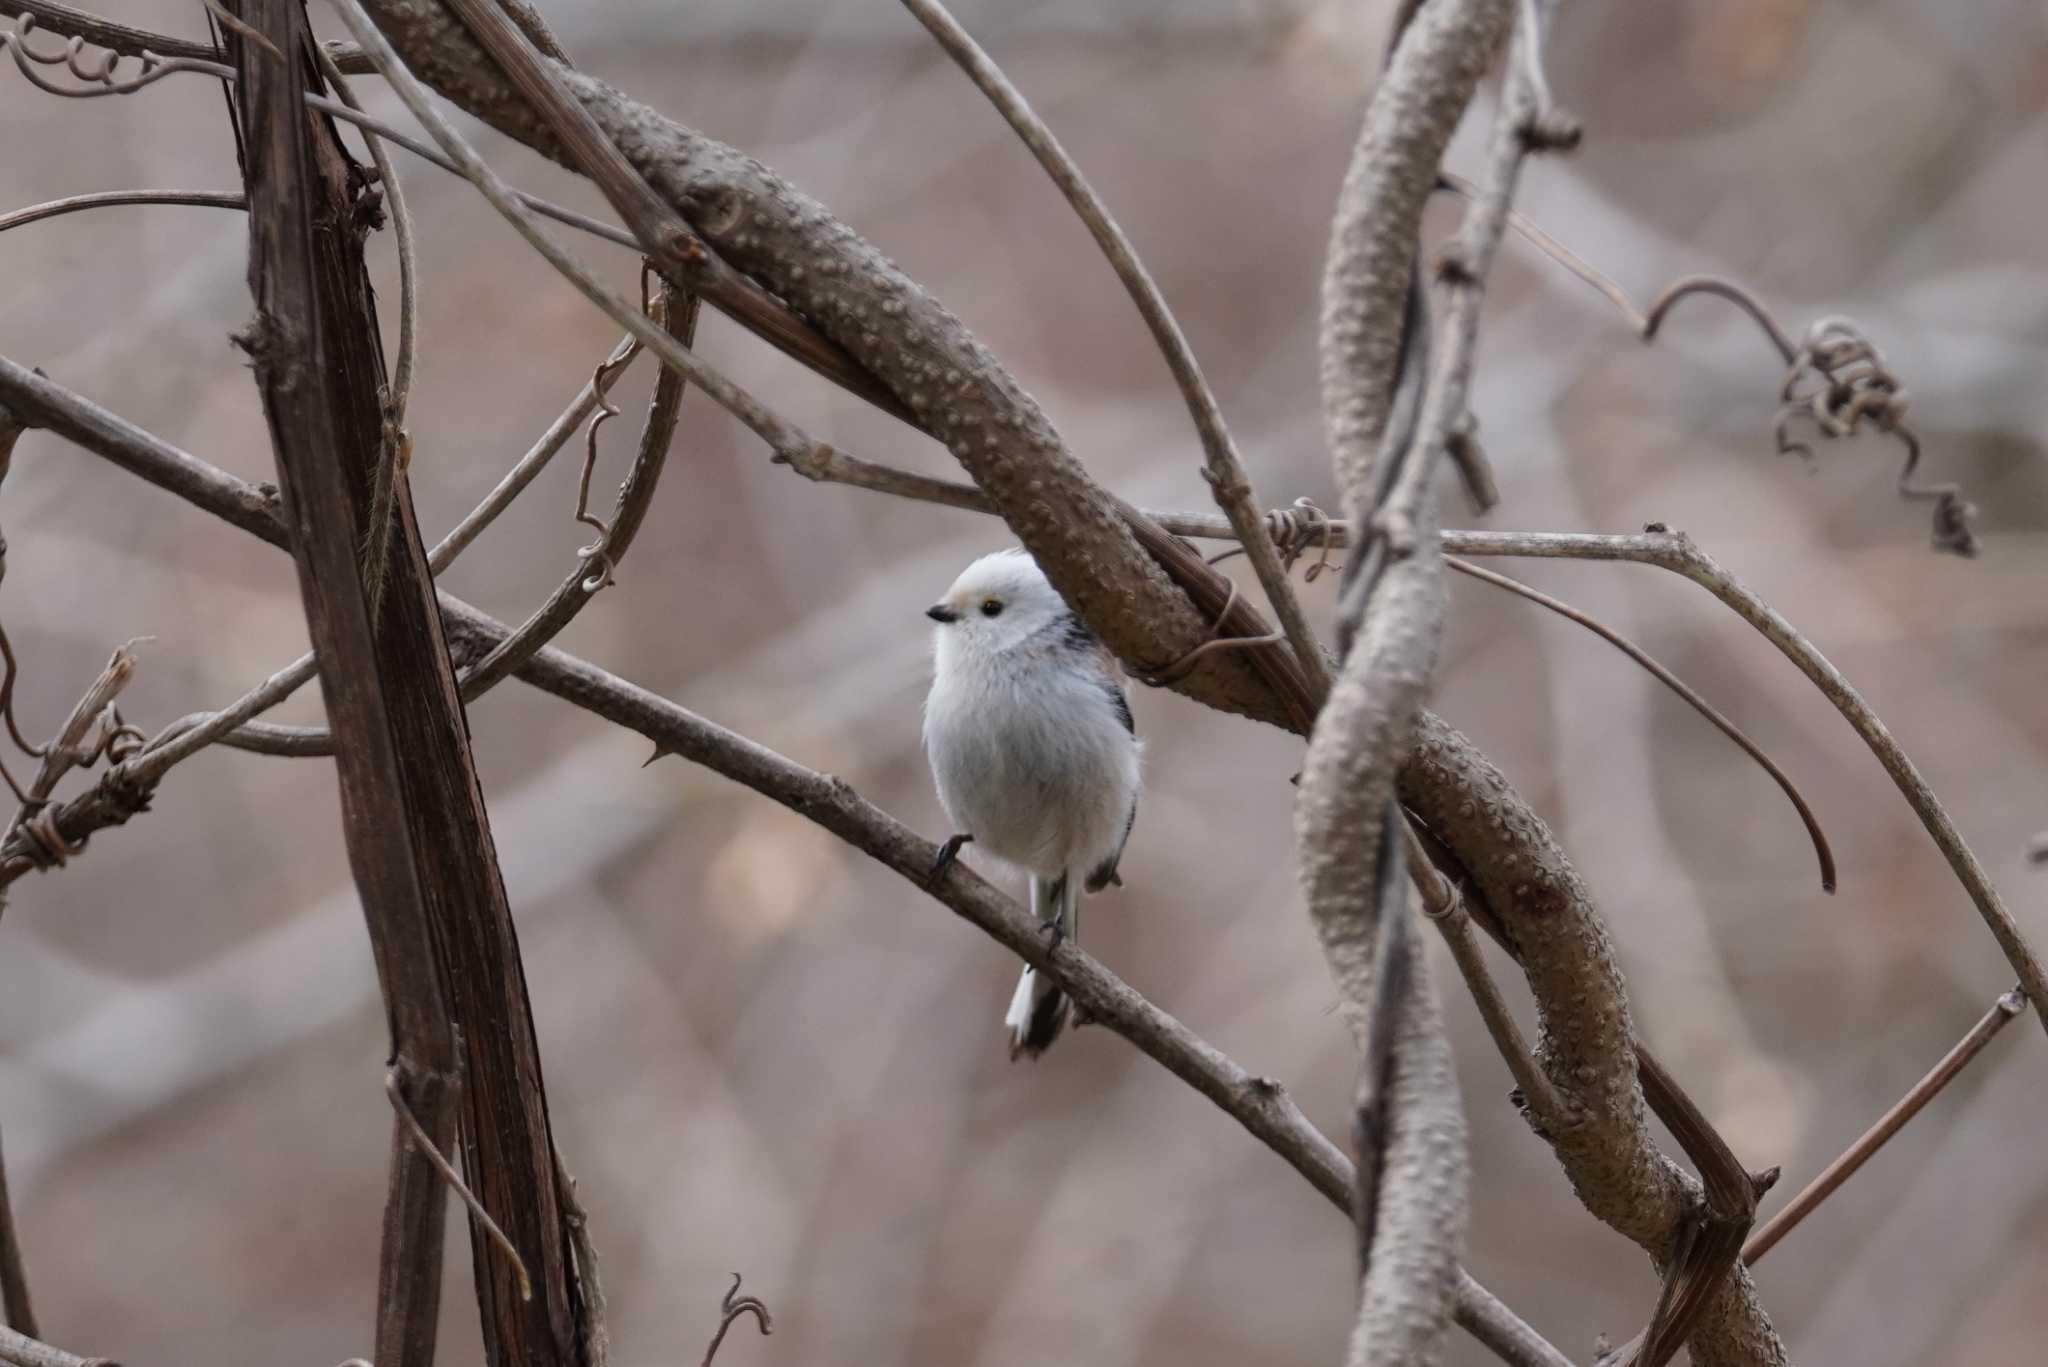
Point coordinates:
[(991, 607)]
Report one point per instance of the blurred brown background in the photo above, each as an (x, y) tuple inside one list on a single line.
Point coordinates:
[(765, 1054)]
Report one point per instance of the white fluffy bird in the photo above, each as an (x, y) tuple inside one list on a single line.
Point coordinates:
[(1034, 752)]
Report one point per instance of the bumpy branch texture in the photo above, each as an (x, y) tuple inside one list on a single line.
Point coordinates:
[(891, 325), (1411, 1130), (1583, 1023)]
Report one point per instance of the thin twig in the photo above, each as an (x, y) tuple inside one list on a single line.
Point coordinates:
[(678, 313), (1676, 552), (189, 735), (1225, 470), (789, 442), (71, 204), (731, 292), (433, 1154), (1657, 671), (1890, 1123), (732, 1307), (1445, 908), (16, 1310)]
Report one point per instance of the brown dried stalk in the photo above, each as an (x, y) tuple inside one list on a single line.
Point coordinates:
[(1890, 1123)]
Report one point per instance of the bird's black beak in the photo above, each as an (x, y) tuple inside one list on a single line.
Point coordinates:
[(939, 612)]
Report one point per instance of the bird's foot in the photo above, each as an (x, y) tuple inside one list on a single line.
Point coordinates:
[(948, 852)]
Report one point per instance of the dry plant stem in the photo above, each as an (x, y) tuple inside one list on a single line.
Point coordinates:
[(1890, 1123), (678, 313), (1413, 1205), (179, 740), (895, 330), (71, 204), (732, 1307), (1676, 552), (16, 1311), (1446, 911), (1585, 1036), (735, 294), (427, 1148), (133, 42), (1258, 1104), (788, 442), (397, 450), (1821, 851), (597, 1345), (666, 240), (1225, 469), (23, 1350), (315, 355)]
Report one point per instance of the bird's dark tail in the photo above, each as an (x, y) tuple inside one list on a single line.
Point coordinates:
[(1039, 1009)]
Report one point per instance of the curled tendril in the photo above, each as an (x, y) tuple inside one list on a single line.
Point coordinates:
[(1837, 378), (98, 70), (1296, 528)]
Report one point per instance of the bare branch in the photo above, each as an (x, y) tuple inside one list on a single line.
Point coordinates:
[(1445, 908), (1676, 552), (1547, 920), (679, 315), (1225, 471), (1682, 689), (733, 1306), (1413, 1208), (71, 204), (1890, 1123), (16, 1310), (898, 332)]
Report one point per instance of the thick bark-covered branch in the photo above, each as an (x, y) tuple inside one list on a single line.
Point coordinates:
[(903, 335), (1584, 1027)]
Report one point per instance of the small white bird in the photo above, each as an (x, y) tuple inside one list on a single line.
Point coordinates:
[(1034, 752)]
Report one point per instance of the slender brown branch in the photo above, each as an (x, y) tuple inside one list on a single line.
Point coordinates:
[(16, 1310), (1676, 552), (1225, 470), (1657, 671), (746, 302), (1890, 1123), (679, 314), (732, 1307), (424, 1143), (71, 204), (1445, 908)]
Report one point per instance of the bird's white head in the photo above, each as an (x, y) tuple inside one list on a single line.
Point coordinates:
[(998, 602)]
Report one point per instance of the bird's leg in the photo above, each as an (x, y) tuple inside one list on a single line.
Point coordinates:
[(948, 852)]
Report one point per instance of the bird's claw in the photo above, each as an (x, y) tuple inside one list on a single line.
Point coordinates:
[(948, 852)]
